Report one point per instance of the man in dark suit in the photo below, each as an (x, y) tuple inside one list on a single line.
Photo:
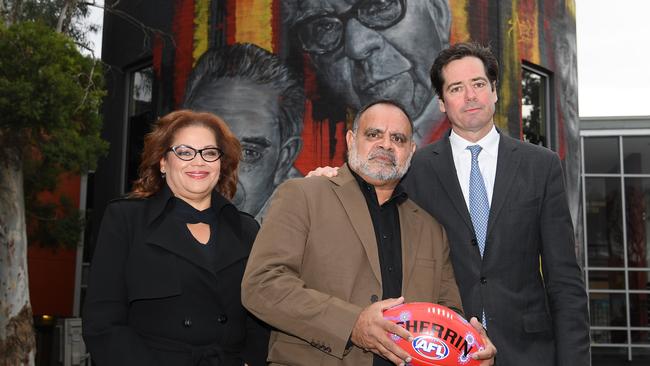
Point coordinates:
[(331, 248), (505, 209)]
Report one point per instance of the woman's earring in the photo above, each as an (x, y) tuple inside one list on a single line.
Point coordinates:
[(162, 174)]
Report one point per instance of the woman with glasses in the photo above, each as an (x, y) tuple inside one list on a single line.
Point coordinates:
[(164, 286)]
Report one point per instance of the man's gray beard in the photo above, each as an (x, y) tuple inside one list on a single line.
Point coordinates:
[(360, 166)]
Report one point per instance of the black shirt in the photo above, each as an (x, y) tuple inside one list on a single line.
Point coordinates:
[(385, 221), (187, 214)]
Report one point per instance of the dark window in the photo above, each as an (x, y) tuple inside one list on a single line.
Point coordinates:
[(617, 221), (601, 155), (140, 118), (535, 106), (636, 154)]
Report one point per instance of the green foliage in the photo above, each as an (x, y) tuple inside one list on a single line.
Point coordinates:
[(50, 98), (48, 12), (55, 223)]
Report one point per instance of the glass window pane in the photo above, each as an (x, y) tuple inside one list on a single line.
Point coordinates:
[(613, 280), (637, 200), (639, 280), (604, 222), (141, 117), (608, 356), (609, 336), (607, 309), (533, 107), (141, 90), (641, 354), (601, 155), (636, 154), (639, 310)]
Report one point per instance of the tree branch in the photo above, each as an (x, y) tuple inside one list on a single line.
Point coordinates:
[(88, 87)]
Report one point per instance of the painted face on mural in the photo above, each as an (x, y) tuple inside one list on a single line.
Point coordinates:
[(252, 113), (566, 64), (370, 49), (566, 60), (381, 148), (469, 98)]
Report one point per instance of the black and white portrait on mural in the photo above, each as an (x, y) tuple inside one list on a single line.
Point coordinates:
[(374, 49), (263, 104), (566, 65)]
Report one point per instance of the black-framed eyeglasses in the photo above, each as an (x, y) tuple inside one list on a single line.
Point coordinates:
[(187, 153), (324, 33)]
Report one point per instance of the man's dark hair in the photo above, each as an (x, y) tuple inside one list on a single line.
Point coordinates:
[(461, 50), (257, 65), (357, 116)]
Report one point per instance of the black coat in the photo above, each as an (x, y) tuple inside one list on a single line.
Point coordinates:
[(153, 297)]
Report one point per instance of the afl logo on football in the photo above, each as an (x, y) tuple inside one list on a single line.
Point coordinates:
[(430, 347)]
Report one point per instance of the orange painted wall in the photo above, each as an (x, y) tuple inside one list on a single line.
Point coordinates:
[(52, 271)]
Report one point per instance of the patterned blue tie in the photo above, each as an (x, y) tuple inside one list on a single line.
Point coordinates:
[(479, 207)]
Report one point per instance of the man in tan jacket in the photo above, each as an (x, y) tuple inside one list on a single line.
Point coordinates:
[(334, 252)]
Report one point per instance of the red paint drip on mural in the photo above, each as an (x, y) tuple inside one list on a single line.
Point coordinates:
[(276, 26), (439, 131), (316, 143), (183, 29), (316, 134), (527, 14), (231, 21), (482, 6), (157, 56)]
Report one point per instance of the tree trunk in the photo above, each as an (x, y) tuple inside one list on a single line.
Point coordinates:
[(62, 17), (17, 343)]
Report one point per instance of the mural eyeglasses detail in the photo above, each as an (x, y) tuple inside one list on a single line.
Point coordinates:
[(324, 33), (187, 153)]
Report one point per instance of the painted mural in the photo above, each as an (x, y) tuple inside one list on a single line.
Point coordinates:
[(287, 75)]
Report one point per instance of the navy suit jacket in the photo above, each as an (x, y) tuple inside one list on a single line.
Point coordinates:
[(536, 315)]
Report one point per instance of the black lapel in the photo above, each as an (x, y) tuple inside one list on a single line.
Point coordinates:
[(507, 165), (174, 236), (442, 163), (157, 203), (229, 236), (171, 235)]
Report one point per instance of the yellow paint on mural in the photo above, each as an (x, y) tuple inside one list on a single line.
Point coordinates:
[(459, 21), (201, 23), (511, 62), (571, 8), (254, 25)]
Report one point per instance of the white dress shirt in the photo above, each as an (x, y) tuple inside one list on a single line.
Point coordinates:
[(487, 161)]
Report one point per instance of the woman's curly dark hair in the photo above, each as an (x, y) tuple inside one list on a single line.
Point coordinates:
[(158, 141)]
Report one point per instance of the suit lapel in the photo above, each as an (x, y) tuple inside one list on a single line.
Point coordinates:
[(507, 165), (349, 194), (230, 248), (442, 163), (411, 233)]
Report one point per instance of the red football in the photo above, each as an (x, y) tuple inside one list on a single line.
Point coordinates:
[(441, 337)]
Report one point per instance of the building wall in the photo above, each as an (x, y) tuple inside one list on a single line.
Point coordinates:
[(174, 37), (52, 269)]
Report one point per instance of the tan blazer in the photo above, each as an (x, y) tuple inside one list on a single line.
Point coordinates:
[(314, 266)]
